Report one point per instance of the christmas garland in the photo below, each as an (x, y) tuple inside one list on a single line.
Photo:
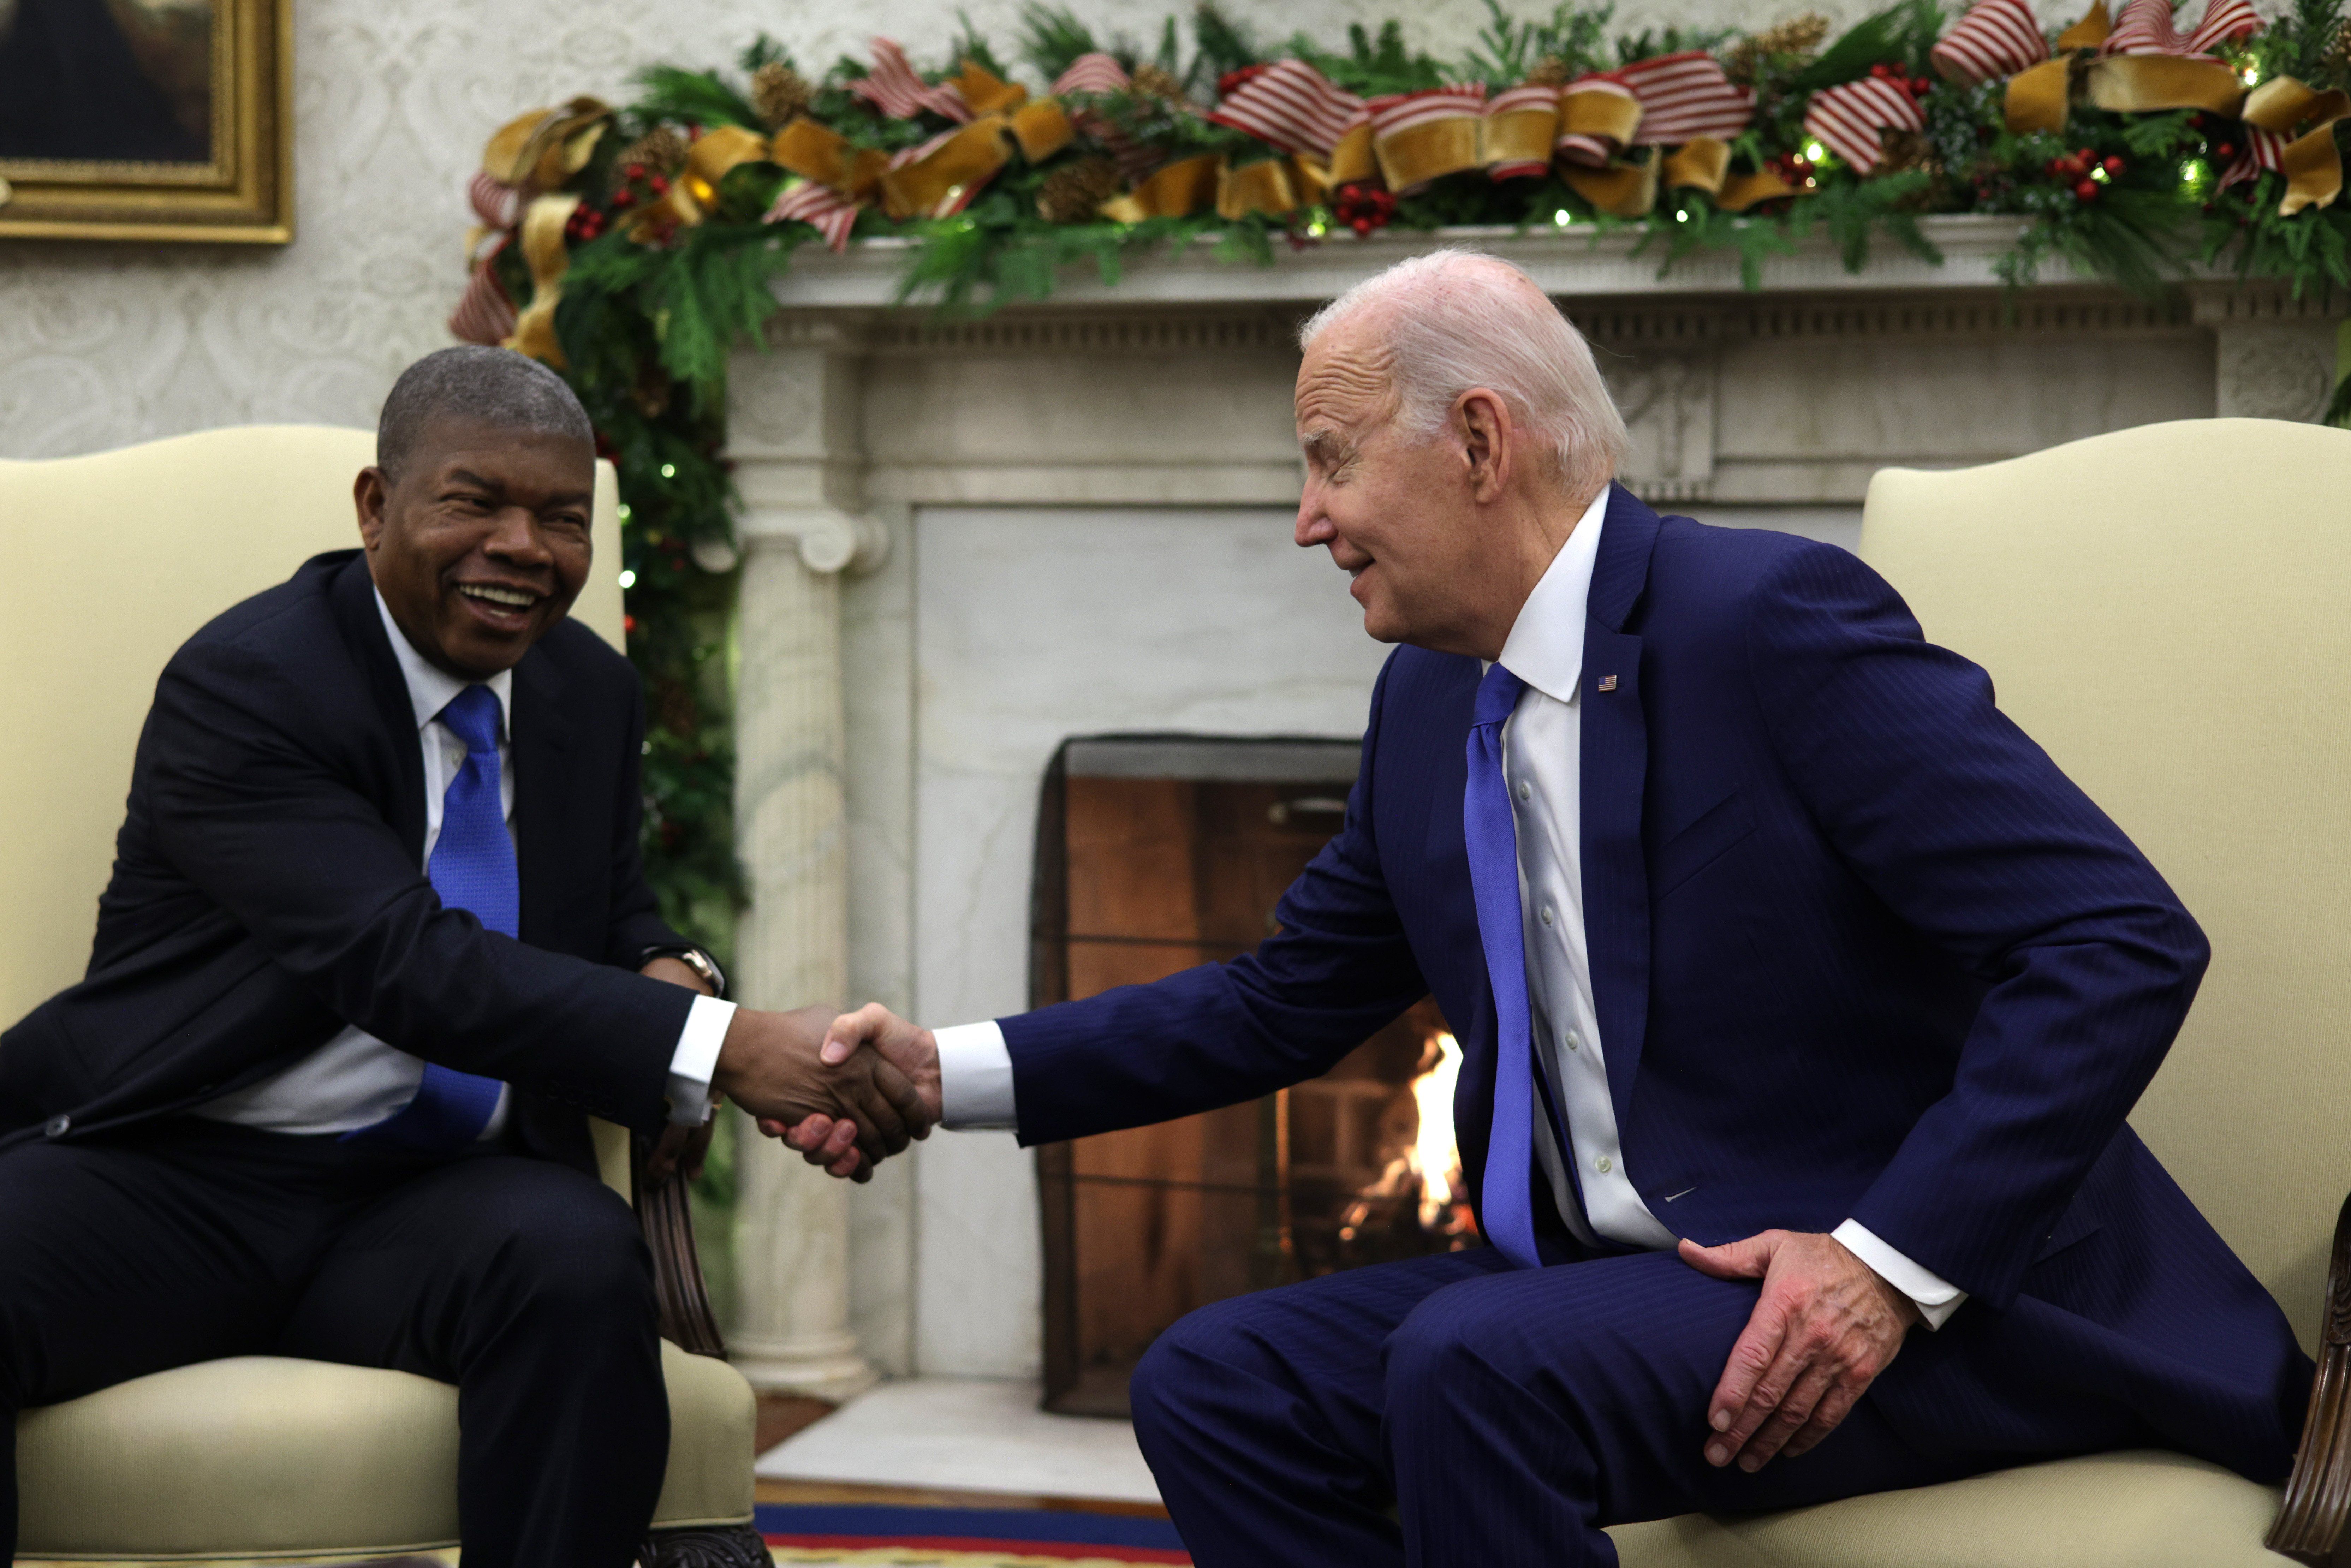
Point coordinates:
[(633, 247)]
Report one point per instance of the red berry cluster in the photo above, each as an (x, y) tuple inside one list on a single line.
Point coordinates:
[(1362, 208), (639, 185), (2080, 167), (1792, 167), (1231, 79), (1900, 75), (584, 225)]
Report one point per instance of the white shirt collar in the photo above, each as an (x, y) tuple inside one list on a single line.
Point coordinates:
[(1545, 647), (430, 689)]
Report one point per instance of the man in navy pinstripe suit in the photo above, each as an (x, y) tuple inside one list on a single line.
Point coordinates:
[(1802, 1000)]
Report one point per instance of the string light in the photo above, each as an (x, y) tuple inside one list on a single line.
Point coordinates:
[(1814, 152), (628, 581), (2250, 74), (669, 470), (1563, 217), (625, 513), (1681, 214)]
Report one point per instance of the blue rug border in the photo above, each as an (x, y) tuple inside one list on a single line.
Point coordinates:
[(977, 1523)]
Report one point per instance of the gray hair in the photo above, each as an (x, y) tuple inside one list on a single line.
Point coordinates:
[(1455, 319), (497, 387)]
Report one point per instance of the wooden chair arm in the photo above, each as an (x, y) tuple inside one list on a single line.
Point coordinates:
[(2311, 1521), (686, 1320)]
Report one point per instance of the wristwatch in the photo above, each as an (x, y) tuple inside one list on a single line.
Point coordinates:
[(694, 958)]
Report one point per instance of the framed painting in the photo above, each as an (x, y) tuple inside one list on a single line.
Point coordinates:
[(153, 119)]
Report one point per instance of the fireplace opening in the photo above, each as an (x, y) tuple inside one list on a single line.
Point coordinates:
[(1155, 853)]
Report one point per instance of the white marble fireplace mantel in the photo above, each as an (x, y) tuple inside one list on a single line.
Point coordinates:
[(967, 539)]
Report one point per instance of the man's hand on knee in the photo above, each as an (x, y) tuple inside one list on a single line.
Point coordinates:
[(1825, 1326)]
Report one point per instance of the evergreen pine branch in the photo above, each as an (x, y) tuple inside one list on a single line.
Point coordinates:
[(762, 50), (1873, 40), (1051, 38), (969, 45), (669, 92), (1224, 43)]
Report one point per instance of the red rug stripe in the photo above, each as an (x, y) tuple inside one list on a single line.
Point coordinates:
[(1070, 1548)]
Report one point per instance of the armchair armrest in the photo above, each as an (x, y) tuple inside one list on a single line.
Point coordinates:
[(2312, 1522), (686, 1320)]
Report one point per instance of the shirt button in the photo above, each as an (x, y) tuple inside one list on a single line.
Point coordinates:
[(1546, 914), (57, 1127), (1602, 1165), (1526, 792), (1574, 1041)]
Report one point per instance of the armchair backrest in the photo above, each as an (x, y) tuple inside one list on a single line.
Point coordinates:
[(2166, 610), (118, 557)]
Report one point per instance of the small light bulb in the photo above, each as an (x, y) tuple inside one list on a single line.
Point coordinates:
[(628, 580), (1682, 215), (625, 513), (669, 470), (1814, 151), (2100, 175), (1563, 217), (2250, 74)]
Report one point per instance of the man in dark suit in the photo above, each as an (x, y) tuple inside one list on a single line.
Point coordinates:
[(1802, 1000), (376, 943)]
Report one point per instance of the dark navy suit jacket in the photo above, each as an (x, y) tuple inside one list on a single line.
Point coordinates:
[(1858, 948)]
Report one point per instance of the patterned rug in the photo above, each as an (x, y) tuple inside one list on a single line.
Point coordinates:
[(875, 1534)]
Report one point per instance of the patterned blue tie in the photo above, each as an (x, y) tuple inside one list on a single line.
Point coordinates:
[(473, 867), (1493, 837)]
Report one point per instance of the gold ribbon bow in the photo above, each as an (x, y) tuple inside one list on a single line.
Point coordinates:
[(544, 252), (2312, 166)]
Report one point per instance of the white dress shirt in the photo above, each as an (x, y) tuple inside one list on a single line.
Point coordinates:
[(356, 1079), (1541, 753)]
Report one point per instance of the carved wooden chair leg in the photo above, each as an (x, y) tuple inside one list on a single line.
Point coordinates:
[(726, 1546), (2311, 1520)]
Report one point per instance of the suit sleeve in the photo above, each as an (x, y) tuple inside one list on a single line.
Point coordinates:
[(1968, 831), (636, 922), (250, 806), (1339, 970)]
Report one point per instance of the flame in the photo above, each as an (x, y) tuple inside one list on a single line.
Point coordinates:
[(1433, 1156)]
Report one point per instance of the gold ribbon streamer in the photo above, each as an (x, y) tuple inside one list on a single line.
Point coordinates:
[(2313, 168), (986, 92), (542, 149), (2037, 96), (1742, 191), (818, 152), (716, 152), (544, 253), (1353, 159), (1700, 163), (969, 157), (1607, 116), (1261, 187), (1177, 191), (2141, 84), (1419, 153), (1042, 129), (2088, 33), (1621, 190), (1521, 136)]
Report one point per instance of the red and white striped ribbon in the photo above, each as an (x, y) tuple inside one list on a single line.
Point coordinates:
[(495, 203), (1292, 106), (831, 214), (894, 89), (2261, 151), (1849, 119), (2145, 28), (1686, 96), (1512, 101), (1400, 111), (1592, 151), (1095, 72), (484, 314), (1997, 39)]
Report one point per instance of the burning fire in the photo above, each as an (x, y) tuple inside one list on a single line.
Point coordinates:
[(1430, 1164)]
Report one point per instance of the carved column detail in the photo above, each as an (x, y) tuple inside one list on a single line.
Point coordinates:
[(2274, 355), (799, 470)]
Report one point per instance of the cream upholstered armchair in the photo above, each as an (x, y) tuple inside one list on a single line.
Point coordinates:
[(120, 557), (2166, 610)]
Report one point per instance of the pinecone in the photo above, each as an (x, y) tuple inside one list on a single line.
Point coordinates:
[(1152, 81), (779, 93), (1071, 192), (2337, 60), (1798, 35), (662, 151), (1550, 71)]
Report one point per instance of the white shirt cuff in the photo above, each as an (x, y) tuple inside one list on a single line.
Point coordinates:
[(1937, 1297), (974, 1078), (696, 1058)]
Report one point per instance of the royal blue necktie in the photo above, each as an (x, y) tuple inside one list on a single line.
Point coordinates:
[(1492, 832), (473, 867)]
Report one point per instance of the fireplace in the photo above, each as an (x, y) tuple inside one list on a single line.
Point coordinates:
[(1155, 853)]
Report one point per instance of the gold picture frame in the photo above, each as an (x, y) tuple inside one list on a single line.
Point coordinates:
[(196, 145)]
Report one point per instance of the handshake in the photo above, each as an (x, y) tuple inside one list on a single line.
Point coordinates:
[(846, 1090)]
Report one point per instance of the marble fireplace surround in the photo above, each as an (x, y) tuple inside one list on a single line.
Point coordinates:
[(967, 539)]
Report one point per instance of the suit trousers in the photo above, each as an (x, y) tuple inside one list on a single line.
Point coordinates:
[(1457, 1411), (525, 1283)]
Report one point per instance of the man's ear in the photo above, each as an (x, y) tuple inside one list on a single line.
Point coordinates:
[(1484, 424), (370, 492)]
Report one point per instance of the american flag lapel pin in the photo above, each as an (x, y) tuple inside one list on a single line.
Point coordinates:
[(1607, 683)]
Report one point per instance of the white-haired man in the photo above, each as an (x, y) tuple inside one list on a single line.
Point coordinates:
[(1802, 1000)]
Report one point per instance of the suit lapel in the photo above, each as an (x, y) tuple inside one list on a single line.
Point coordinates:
[(1615, 769), (353, 595), (541, 830)]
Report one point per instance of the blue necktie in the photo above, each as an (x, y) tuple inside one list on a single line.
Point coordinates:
[(1493, 839), (473, 867)]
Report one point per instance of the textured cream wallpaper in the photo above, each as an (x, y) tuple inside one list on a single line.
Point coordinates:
[(103, 344)]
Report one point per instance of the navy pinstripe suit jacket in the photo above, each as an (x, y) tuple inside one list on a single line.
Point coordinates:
[(1859, 949)]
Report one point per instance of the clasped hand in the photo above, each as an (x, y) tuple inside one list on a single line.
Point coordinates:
[(782, 1069)]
